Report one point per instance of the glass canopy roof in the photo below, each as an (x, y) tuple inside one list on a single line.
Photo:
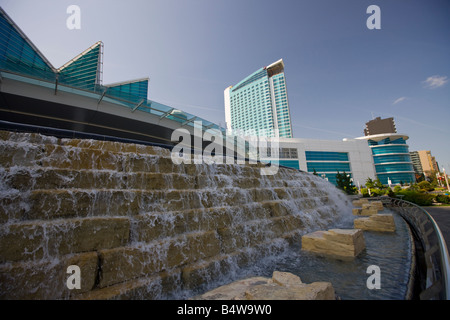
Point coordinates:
[(19, 56)]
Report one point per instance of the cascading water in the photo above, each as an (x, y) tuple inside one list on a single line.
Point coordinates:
[(140, 226)]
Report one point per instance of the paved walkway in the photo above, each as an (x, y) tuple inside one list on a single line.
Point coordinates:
[(442, 217)]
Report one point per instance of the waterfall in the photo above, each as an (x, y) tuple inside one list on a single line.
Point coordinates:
[(138, 225)]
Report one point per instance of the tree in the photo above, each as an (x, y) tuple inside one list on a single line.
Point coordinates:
[(377, 184), (369, 183), (344, 182)]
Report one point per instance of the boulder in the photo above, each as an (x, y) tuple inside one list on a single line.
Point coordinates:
[(282, 286), (335, 242), (379, 222)]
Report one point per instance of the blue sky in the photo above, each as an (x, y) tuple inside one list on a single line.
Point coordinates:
[(339, 73)]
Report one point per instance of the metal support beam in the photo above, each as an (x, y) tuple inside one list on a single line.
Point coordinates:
[(166, 113), (138, 105), (56, 86), (189, 121), (103, 95)]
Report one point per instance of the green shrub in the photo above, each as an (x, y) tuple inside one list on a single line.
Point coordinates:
[(365, 192), (442, 198), (419, 198), (425, 185)]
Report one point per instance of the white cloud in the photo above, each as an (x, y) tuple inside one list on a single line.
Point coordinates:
[(399, 100), (435, 81)]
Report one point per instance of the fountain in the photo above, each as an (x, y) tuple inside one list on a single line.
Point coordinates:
[(139, 226)]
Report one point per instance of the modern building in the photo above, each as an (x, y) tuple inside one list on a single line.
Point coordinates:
[(384, 156), (259, 103), (378, 126), (393, 164), (391, 158), (425, 161), (34, 95), (417, 165), (328, 157)]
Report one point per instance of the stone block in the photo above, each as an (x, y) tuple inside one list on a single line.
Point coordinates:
[(378, 205), (196, 274), (272, 291), (37, 240), (335, 242), (285, 279), (62, 203), (126, 263), (46, 279), (145, 288), (282, 286), (379, 222), (359, 202), (364, 211)]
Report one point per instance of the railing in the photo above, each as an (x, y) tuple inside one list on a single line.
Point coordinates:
[(433, 257)]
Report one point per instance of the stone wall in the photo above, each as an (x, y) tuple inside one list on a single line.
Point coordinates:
[(138, 225)]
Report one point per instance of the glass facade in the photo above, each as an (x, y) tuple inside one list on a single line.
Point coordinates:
[(19, 55), (327, 164), (392, 159), (137, 88), (21, 60), (84, 70), (259, 103)]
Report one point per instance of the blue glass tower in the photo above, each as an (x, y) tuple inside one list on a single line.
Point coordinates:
[(391, 158), (259, 103)]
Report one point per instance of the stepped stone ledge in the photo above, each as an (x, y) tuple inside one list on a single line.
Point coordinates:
[(137, 225)]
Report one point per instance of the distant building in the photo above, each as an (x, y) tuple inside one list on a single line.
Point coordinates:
[(426, 161), (391, 157), (259, 103), (415, 158), (328, 157), (378, 126)]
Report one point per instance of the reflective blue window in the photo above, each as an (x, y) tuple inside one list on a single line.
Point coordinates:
[(396, 178), (83, 70), (16, 53), (328, 166), (131, 90), (326, 156), (390, 149), (394, 167), (392, 158), (387, 141)]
